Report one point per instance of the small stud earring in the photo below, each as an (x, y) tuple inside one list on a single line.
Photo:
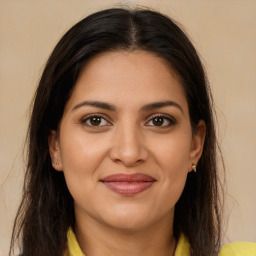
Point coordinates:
[(55, 163), (194, 167)]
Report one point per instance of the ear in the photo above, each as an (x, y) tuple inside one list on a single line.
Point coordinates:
[(54, 151), (197, 144)]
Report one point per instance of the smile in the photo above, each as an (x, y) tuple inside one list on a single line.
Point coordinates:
[(128, 184)]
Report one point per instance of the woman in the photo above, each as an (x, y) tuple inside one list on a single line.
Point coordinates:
[(122, 145)]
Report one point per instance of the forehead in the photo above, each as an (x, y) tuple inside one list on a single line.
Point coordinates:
[(123, 77)]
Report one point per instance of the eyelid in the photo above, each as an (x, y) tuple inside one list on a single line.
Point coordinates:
[(165, 116), (101, 115), (171, 120)]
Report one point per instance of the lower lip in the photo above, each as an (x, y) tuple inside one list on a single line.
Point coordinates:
[(128, 188)]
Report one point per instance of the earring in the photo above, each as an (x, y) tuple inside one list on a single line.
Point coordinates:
[(194, 167), (55, 163)]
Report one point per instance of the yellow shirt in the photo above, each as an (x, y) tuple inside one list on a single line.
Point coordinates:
[(234, 249)]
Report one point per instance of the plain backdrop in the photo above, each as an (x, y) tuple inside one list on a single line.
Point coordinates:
[(224, 33)]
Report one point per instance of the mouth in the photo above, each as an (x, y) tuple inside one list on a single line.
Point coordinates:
[(128, 184)]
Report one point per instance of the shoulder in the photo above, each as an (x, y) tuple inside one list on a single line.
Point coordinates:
[(238, 249), (183, 247), (73, 248), (233, 249)]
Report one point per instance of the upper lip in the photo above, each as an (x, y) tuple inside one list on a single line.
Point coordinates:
[(122, 177)]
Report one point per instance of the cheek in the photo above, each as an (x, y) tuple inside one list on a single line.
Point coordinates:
[(173, 157), (81, 156), (80, 152), (173, 154)]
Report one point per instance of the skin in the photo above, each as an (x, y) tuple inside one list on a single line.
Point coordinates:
[(126, 140)]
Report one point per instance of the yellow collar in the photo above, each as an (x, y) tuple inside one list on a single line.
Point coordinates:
[(74, 249)]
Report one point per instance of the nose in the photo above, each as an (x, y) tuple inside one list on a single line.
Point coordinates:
[(128, 146)]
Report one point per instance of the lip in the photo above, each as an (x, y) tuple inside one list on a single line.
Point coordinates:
[(128, 184)]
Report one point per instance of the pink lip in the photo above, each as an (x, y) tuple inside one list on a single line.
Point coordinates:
[(128, 184)]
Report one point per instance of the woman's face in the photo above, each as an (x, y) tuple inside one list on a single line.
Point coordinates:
[(125, 143)]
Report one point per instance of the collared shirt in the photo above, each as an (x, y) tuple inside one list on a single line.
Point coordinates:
[(182, 249)]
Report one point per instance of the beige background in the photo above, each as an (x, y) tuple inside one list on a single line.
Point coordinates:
[(224, 32)]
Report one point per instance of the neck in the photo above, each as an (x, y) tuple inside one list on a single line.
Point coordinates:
[(97, 239)]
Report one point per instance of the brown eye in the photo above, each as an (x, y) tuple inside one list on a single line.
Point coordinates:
[(95, 121), (158, 121), (161, 121)]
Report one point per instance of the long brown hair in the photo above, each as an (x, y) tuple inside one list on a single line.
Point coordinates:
[(46, 210)]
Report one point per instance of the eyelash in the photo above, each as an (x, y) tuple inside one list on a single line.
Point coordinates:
[(171, 121), (88, 118)]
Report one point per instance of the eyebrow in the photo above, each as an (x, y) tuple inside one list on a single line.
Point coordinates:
[(147, 107), (97, 104), (161, 104)]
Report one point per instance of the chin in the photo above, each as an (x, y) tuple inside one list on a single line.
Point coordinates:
[(128, 224), (130, 220)]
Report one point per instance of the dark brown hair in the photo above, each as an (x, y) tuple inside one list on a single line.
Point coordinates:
[(46, 210)]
